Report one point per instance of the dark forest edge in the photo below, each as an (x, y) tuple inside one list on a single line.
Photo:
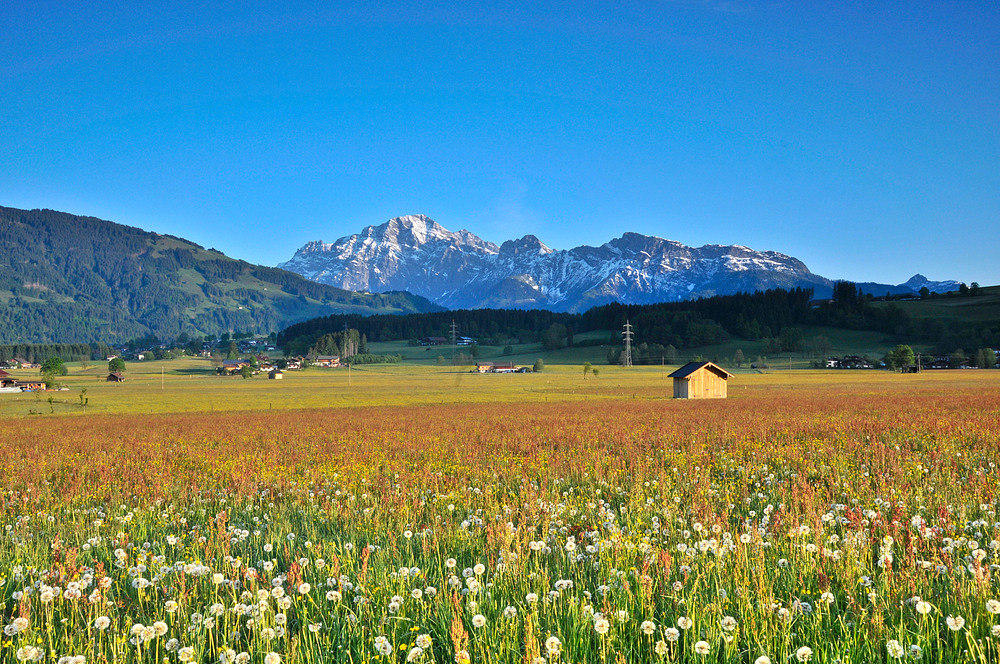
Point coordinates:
[(775, 316)]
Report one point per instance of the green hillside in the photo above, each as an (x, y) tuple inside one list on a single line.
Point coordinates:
[(79, 279), (982, 307)]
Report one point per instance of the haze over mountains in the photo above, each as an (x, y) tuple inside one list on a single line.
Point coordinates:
[(460, 270)]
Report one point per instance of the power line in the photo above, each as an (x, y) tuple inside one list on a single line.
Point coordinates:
[(454, 340), (627, 336)]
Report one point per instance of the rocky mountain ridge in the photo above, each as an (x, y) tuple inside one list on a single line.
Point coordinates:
[(460, 270)]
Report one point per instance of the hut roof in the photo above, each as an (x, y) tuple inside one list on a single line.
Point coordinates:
[(691, 367)]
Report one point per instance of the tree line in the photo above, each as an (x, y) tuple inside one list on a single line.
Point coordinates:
[(680, 324), (38, 353), (776, 317)]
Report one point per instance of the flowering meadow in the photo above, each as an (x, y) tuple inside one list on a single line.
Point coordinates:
[(790, 523)]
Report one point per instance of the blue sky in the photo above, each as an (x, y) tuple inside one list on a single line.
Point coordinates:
[(862, 138)]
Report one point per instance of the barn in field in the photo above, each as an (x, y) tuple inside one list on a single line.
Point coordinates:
[(700, 380)]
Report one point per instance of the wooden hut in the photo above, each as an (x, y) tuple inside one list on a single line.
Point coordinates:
[(115, 377), (700, 380)]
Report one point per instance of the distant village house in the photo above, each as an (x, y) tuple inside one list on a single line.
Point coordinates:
[(848, 362), (230, 367), (8, 383), (497, 367)]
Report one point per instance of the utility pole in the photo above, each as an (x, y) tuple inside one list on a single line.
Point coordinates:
[(454, 340), (627, 337)]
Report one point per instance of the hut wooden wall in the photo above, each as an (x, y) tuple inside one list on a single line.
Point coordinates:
[(702, 384)]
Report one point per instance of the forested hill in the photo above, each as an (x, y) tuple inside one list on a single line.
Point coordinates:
[(66, 278)]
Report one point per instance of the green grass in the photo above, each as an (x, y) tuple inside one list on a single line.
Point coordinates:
[(980, 309), (523, 354)]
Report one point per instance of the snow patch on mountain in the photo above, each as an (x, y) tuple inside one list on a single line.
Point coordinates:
[(460, 270)]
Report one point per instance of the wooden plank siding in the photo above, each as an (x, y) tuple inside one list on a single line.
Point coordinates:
[(700, 380)]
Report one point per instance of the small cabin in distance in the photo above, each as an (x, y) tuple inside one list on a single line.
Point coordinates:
[(700, 380)]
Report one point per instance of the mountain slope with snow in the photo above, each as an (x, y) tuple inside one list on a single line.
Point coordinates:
[(460, 270)]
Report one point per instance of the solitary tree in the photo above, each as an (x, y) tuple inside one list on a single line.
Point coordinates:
[(51, 368), (899, 357), (539, 365), (738, 357), (117, 365), (586, 369), (54, 366), (986, 358)]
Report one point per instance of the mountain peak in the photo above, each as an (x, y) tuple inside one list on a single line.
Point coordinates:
[(918, 281), (529, 244), (415, 229)]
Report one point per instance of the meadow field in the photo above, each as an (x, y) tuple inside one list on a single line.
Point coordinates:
[(423, 514)]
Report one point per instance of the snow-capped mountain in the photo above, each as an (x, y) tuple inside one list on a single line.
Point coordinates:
[(460, 270)]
